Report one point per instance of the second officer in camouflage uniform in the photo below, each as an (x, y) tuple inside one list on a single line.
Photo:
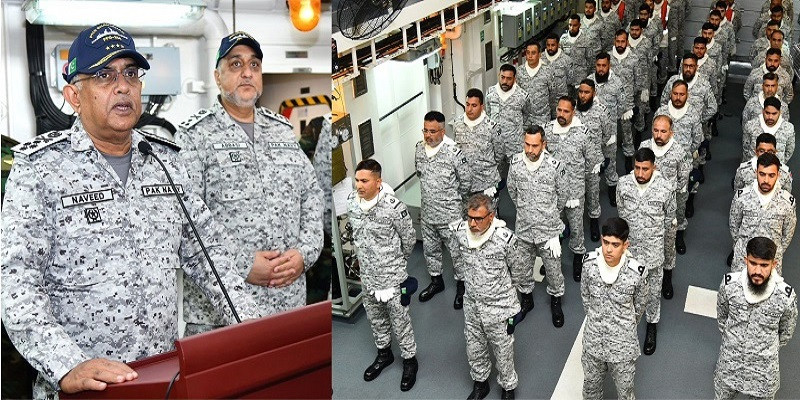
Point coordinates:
[(535, 184), (540, 82), (614, 294), (444, 180), (646, 201), (384, 238), (492, 271), (479, 138), (509, 105), (256, 181)]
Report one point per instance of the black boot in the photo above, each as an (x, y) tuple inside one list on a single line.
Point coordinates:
[(410, 367), (637, 138), (436, 286), (628, 165), (729, 260), (555, 309), (577, 267), (542, 271), (526, 303), (650, 339), (680, 245), (612, 195), (690, 206), (383, 360), (479, 390), (507, 394), (458, 303), (666, 284), (594, 227)]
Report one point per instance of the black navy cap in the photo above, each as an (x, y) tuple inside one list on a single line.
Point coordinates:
[(237, 38), (96, 47)]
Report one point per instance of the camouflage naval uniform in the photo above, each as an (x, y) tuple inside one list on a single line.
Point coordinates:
[(582, 51), (707, 67), (612, 312), (541, 86), (482, 146), (563, 73), (323, 165), (700, 93), (674, 163), (384, 238), (263, 191), (749, 219), (687, 129), (784, 137), (578, 155), (650, 215), (81, 249), (610, 24), (511, 115), (632, 72), (746, 174), (615, 94), (786, 61), (752, 334), (539, 198), (444, 181), (491, 275), (756, 78), (755, 106), (602, 124)]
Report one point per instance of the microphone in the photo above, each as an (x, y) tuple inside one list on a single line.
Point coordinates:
[(147, 150)]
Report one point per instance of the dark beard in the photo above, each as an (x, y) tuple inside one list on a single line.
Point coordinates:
[(644, 23), (757, 289), (601, 78), (583, 107), (574, 34), (588, 16)]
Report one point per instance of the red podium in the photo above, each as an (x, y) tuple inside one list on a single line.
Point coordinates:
[(282, 356)]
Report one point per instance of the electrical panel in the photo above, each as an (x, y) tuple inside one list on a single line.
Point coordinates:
[(515, 24)]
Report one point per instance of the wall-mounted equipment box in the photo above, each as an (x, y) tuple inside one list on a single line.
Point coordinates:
[(515, 24)]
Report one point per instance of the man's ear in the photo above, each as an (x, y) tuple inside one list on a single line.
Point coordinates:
[(70, 93)]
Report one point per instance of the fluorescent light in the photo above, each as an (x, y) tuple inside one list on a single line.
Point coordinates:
[(137, 13)]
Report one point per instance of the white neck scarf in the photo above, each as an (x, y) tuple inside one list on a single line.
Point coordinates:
[(770, 129), (431, 151), (610, 274), (724, 21), (533, 165), (710, 44), (644, 186), (622, 56), (503, 94), (572, 39), (610, 11), (702, 60), (588, 21), (470, 123), (677, 113), (765, 198), (771, 283), (557, 128), (554, 57), (366, 205), (635, 42), (692, 82), (661, 150), (474, 241), (533, 71)]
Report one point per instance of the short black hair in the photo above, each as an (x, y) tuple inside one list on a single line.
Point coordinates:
[(589, 83), (569, 99), (768, 160), (700, 39), (762, 247), (369, 165), (721, 3), (773, 23), (636, 22), (771, 51), (475, 92), (508, 67), (708, 25), (434, 116), (644, 154), (770, 76), (616, 227), (621, 32), (690, 55), (575, 16), (776, 9), (552, 35), (772, 101), (715, 13), (680, 82), (534, 129), (766, 138), (592, 2), (602, 55), (534, 43)]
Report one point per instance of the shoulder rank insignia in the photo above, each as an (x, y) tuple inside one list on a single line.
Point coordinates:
[(40, 142), (160, 140), (729, 277), (195, 118), (275, 116), (788, 196)]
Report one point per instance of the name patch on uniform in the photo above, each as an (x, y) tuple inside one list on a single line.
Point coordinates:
[(230, 146), (160, 190), (86, 198), (284, 145)]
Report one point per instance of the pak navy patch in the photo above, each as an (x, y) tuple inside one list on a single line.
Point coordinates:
[(160, 190)]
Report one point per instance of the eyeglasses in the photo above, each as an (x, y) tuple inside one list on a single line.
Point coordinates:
[(478, 219), (107, 76), (430, 131)]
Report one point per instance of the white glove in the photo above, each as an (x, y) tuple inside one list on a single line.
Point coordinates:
[(596, 168), (554, 245), (572, 203), (645, 96), (384, 295), (674, 222), (695, 155), (612, 140), (628, 115), (490, 191)]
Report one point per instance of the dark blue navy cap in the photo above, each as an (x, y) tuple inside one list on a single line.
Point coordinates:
[(237, 38), (96, 47)]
